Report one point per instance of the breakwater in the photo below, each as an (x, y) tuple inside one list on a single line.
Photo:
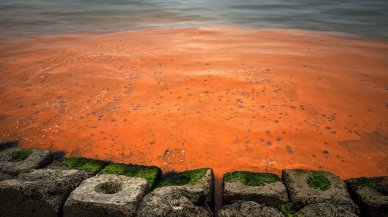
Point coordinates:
[(36, 182)]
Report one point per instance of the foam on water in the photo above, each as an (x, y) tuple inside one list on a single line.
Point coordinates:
[(357, 17)]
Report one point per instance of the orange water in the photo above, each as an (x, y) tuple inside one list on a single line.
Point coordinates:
[(225, 98)]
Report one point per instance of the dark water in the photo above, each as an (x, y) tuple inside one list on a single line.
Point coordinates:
[(367, 18)]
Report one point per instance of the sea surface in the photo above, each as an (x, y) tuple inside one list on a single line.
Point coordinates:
[(222, 84), (364, 18)]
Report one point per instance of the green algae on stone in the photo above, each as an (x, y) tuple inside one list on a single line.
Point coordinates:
[(251, 178), (20, 154), (318, 180), (115, 168), (374, 182), (287, 209), (188, 177), (79, 163), (149, 173)]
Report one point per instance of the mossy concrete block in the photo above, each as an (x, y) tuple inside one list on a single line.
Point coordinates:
[(187, 193), (106, 195), (206, 186), (199, 184), (19, 160), (248, 208), (371, 195), (269, 190), (171, 202), (149, 173), (79, 163), (324, 210), (302, 192), (38, 193)]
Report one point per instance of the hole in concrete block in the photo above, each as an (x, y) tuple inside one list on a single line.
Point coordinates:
[(109, 188)]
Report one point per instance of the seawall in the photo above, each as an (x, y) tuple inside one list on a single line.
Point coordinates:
[(36, 182)]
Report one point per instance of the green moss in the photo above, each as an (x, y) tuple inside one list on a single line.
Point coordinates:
[(374, 182), (287, 209), (150, 173), (318, 180), (20, 154), (189, 177), (115, 168), (250, 178), (85, 164)]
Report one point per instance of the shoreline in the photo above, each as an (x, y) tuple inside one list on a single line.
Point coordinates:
[(48, 35)]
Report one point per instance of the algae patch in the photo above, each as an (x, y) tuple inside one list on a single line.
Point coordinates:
[(20, 154), (149, 173), (374, 183), (89, 165), (188, 177), (287, 209), (251, 178), (318, 180)]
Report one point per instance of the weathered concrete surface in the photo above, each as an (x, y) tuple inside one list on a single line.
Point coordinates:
[(270, 194), (205, 188), (5, 176), (38, 193), (186, 200), (302, 194), (90, 198), (371, 194), (248, 209), (324, 210), (38, 159), (171, 202)]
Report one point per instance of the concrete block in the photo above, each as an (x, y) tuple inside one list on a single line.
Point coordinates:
[(248, 208), (106, 195), (38, 193), (307, 187), (371, 195), (263, 188), (20, 160)]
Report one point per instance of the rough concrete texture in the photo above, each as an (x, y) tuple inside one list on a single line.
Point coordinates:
[(38, 159), (270, 194), (205, 186), (92, 199), (371, 194), (324, 210), (5, 176), (38, 193), (302, 194), (248, 209), (171, 202), (186, 200)]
